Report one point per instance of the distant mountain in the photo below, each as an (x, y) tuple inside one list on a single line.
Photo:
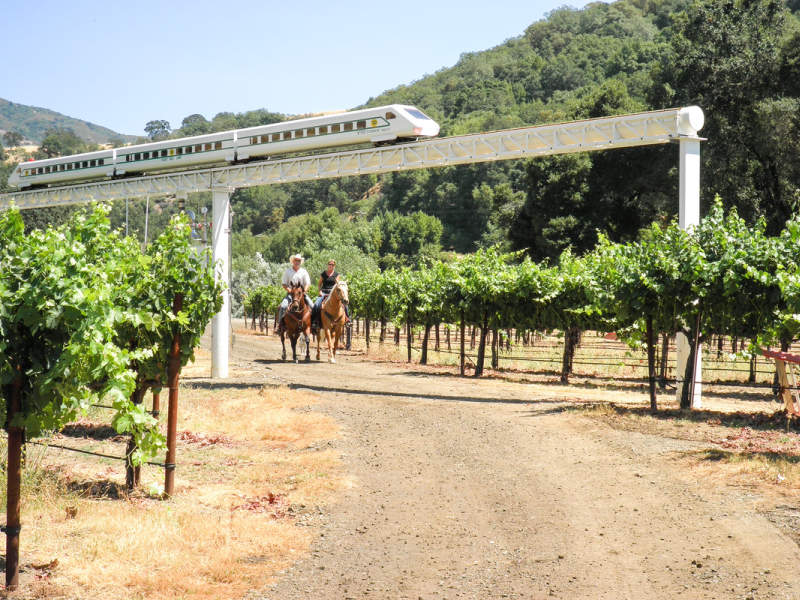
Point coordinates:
[(32, 122)]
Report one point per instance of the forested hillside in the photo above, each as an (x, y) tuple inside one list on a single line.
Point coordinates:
[(737, 59), (32, 123)]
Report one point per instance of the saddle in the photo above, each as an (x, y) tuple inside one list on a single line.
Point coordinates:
[(316, 318)]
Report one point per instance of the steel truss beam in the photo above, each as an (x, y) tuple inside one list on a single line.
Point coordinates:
[(656, 127)]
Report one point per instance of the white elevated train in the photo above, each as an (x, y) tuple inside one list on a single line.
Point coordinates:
[(384, 124)]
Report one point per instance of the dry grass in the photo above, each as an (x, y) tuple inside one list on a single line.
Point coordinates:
[(743, 448), (253, 466)]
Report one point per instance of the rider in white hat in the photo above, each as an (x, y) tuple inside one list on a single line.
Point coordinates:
[(294, 275)]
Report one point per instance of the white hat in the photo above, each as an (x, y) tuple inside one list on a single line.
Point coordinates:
[(297, 256)]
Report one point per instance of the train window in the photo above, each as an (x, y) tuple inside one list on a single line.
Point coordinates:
[(361, 125), (162, 153), (416, 113), (217, 145), (391, 115), (298, 133), (347, 127), (198, 147), (84, 164), (323, 130), (101, 161), (187, 150), (335, 128), (311, 131), (254, 140)]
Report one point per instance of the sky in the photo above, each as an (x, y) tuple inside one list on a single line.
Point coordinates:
[(121, 64)]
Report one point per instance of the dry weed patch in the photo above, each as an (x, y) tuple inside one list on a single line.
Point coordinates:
[(253, 467), (743, 448)]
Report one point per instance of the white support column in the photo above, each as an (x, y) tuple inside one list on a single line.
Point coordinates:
[(688, 218), (221, 243)]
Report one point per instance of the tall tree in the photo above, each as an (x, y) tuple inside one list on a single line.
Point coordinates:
[(194, 125), (12, 138), (157, 130), (731, 58), (62, 142)]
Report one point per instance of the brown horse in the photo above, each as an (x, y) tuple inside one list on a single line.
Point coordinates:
[(333, 318), (296, 320)]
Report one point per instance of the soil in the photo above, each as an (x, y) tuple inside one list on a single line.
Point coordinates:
[(488, 488)]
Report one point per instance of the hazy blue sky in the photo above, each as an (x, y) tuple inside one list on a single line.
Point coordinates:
[(123, 63)]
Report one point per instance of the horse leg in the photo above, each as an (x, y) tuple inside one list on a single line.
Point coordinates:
[(283, 345), (331, 353), (335, 335), (308, 347), (319, 338), (294, 348)]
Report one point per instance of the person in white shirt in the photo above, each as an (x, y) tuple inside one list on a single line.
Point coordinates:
[(294, 275)]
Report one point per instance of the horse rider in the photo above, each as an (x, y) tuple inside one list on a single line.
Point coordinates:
[(327, 281), (294, 275)]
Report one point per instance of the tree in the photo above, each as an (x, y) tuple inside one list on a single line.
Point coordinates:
[(62, 142), (730, 58), (407, 239), (157, 130), (195, 124), (12, 138)]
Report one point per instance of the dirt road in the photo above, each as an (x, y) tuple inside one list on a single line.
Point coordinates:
[(489, 489)]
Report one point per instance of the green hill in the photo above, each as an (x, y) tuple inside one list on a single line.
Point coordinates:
[(32, 122)]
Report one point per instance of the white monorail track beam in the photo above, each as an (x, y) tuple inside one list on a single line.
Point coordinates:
[(656, 127), (623, 131)]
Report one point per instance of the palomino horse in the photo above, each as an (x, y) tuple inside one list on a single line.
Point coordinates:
[(296, 320), (333, 318)]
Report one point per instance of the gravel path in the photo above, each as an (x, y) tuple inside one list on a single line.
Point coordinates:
[(488, 489)]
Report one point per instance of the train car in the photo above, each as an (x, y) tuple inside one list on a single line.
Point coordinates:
[(167, 155), (65, 169), (384, 124), (379, 125)]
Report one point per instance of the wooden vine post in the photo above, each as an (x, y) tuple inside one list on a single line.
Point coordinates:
[(461, 337), (173, 373), (16, 438)]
